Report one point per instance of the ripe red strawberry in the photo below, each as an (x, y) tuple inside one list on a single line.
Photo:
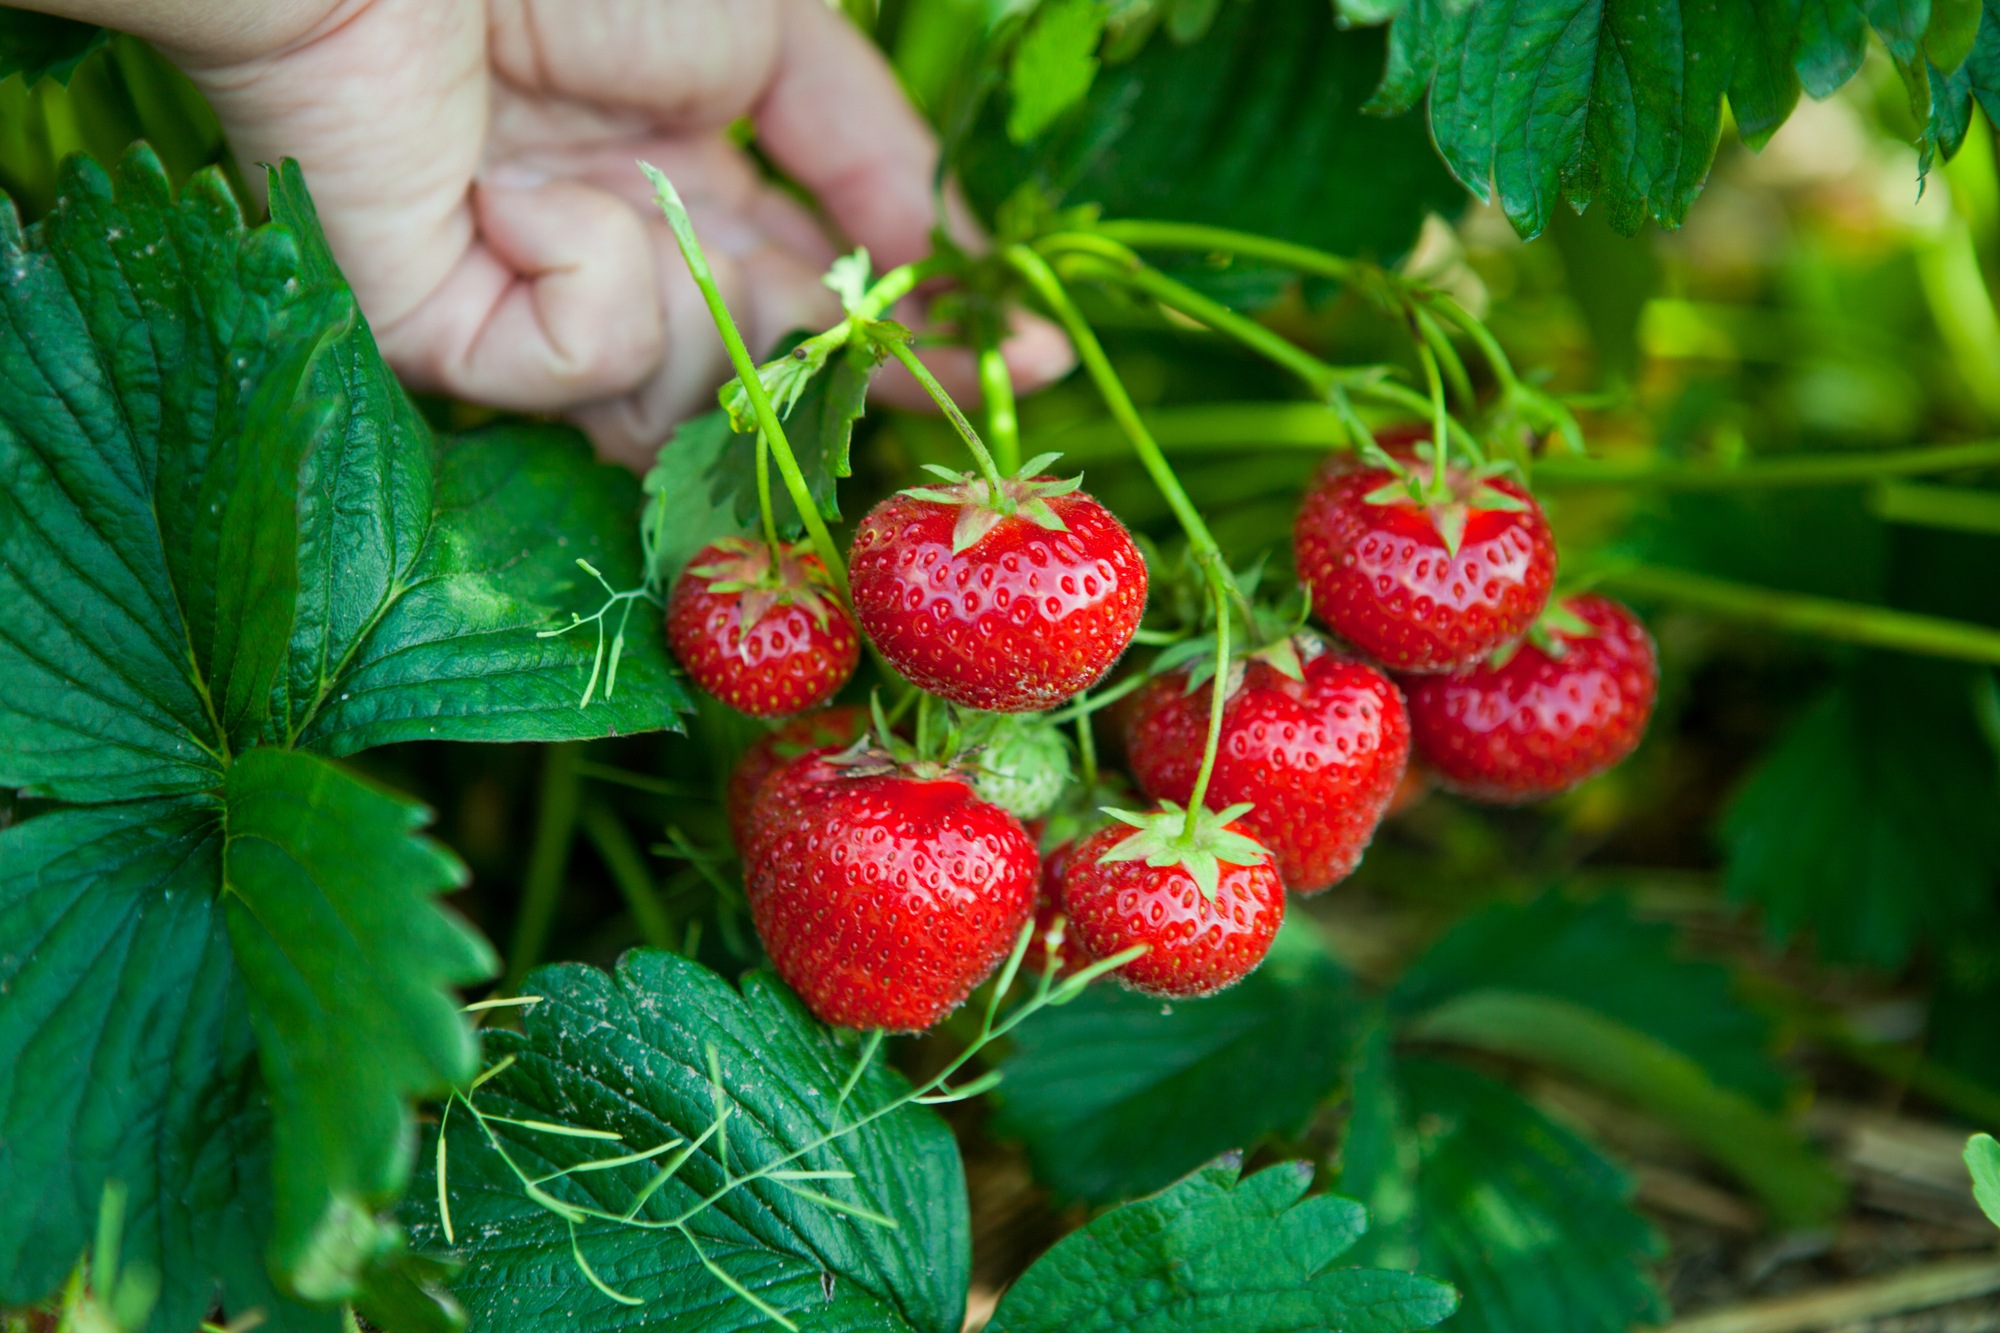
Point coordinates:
[(1423, 587), (764, 636), (884, 897), (1006, 611), (1048, 906), (1206, 908), (824, 731), (1316, 758), (1550, 715)]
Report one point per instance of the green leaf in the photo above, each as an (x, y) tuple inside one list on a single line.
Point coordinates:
[(456, 657), (1053, 65), (819, 425), (1870, 825), (1953, 91), (347, 965), (427, 570), (1116, 1094), (1982, 1159), (1596, 955), (1620, 102), (1796, 1185), (126, 1054), (154, 323), (39, 46), (1256, 126), (629, 1053), (1950, 34), (681, 514), (1217, 1250), (1471, 1183)]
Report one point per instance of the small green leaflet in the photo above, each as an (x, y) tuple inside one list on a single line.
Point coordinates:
[(682, 515), (868, 1231), (1220, 1250), (1053, 65), (819, 409), (1872, 828), (39, 46), (1115, 1094), (1469, 1182), (1982, 1159), (1620, 101)]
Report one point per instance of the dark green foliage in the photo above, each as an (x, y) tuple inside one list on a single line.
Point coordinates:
[(348, 969), (39, 46), (630, 1053), (1871, 825), (1467, 1181), (1546, 102), (126, 1053), (1116, 1094), (226, 533), (1250, 1254), (1595, 954), (1256, 125)]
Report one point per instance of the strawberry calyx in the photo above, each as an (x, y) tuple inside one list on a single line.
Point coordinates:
[(1276, 635), (983, 502), (1466, 491), (1162, 838), (1552, 633), (745, 568)]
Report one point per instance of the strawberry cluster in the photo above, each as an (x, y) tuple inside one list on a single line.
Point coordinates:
[(887, 883)]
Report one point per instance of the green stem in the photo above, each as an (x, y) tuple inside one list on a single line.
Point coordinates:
[(1952, 508), (1321, 377), (1086, 741), (1042, 278), (746, 372), (1003, 423), (1218, 697), (1147, 235), (1822, 617), (899, 347), (1843, 469), (555, 830), (1439, 488), (764, 497), (1482, 337), (622, 857)]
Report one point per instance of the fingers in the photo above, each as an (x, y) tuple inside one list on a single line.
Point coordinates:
[(836, 119), (556, 302), (770, 291)]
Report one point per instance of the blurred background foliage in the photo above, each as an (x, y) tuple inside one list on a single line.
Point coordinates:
[(1818, 816)]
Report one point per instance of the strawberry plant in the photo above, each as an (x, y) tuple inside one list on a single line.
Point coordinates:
[(1374, 801)]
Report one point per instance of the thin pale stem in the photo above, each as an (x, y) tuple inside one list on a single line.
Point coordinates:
[(1090, 351), (1218, 698), (746, 371), (1146, 235), (900, 348), (1821, 617), (1439, 487), (1003, 423), (764, 498), (1321, 377)]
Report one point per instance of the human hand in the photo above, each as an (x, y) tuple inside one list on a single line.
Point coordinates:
[(473, 165)]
